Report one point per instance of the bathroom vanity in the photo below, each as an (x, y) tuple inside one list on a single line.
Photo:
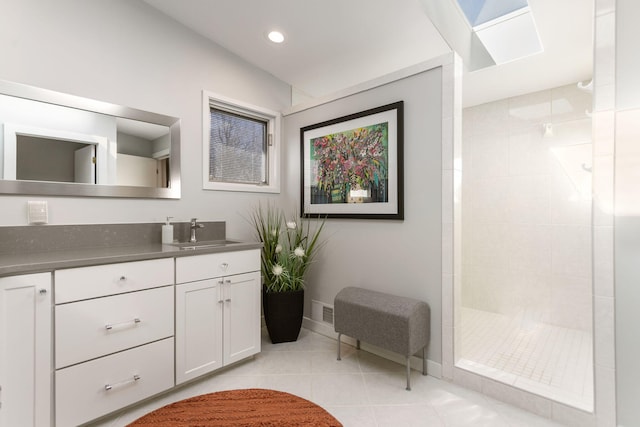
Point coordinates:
[(126, 323)]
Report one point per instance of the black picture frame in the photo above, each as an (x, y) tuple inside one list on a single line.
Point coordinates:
[(352, 166)]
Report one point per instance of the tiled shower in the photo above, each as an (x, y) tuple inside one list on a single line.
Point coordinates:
[(525, 310)]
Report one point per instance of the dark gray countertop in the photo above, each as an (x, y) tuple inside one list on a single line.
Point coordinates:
[(35, 262)]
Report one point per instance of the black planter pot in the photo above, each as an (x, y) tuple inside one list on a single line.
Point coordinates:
[(283, 314)]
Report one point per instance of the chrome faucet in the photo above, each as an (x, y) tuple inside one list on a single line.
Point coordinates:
[(194, 227)]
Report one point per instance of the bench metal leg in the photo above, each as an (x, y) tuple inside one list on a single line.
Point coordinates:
[(409, 373), (424, 360), (339, 335)]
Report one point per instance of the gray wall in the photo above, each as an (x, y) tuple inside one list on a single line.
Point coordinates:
[(167, 68), (398, 257), (127, 53)]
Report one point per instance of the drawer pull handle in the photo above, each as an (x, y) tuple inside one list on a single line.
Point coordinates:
[(134, 322), (224, 266), (123, 278), (133, 379)]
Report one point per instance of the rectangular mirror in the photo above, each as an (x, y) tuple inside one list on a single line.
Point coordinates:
[(57, 144)]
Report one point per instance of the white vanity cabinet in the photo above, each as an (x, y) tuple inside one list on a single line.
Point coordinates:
[(25, 350), (217, 311), (114, 346)]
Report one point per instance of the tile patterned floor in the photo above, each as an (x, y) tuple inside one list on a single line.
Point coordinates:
[(544, 359), (361, 390)]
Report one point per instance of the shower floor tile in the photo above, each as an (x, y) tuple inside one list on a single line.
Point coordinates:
[(548, 360)]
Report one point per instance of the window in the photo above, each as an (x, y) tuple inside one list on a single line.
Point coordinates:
[(240, 146)]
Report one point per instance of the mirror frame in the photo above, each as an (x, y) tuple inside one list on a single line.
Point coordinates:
[(95, 190)]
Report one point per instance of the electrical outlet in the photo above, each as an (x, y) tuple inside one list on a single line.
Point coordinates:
[(38, 212)]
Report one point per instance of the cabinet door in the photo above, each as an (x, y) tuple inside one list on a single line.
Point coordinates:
[(241, 316), (198, 328), (25, 350)]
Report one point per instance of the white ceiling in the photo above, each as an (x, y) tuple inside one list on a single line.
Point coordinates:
[(334, 44)]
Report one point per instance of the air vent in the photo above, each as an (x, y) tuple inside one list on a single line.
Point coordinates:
[(321, 312), (327, 314)]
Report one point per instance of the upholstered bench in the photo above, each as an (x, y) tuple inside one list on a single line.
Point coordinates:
[(394, 323)]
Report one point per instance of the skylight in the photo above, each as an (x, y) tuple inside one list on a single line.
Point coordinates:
[(481, 11), (506, 28)]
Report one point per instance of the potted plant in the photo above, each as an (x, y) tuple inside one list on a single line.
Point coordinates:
[(289, 246)]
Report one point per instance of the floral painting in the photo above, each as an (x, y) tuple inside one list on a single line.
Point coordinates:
[(352, 165)]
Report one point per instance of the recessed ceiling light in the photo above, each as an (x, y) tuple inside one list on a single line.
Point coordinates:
[(276, 36)]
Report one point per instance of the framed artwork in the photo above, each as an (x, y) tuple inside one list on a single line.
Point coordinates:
[(352, 166)]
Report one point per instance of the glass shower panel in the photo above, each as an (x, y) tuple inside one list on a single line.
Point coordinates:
[(525, 311)]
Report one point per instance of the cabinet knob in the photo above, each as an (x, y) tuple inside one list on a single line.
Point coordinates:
[(42, 291), (224, 266), (123, 278)]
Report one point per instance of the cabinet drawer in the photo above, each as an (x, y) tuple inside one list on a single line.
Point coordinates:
[(97, 327), (75, 284), (200, 267), (83, 393)]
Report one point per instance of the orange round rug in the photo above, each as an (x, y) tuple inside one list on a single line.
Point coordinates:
[(248, 408)]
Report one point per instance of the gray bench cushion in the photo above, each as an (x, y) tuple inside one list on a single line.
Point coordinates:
[(391, 322)]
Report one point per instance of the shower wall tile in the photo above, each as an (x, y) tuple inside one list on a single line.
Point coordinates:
[(490, 199), (571, 132), (490, 245), (466, 294), (603, 261), (490, 289), (447, 195), (530, 110), (467, 379), (487, 118), (604, 336), (569, 104), (571, 302), (606, 99), (604, 66), (567, 204), (490, 154), (572, 417), (530, 297), (605, 6), (528, 152), (448, 299), (447, 248), (526, 216), (530, 248), (528, 200), (571, 250), (447, 144), (457, 296), (605, 402), (530, 402), (603, 190), (603, 133)]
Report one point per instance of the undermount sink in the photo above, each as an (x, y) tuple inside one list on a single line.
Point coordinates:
[(206, 244)]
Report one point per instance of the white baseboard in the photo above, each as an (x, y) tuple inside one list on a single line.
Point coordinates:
[(433, 368)]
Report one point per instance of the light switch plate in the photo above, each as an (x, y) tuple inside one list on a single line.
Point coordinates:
[(38, 212)]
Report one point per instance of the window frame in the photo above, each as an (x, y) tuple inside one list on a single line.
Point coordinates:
[(273, 121)]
